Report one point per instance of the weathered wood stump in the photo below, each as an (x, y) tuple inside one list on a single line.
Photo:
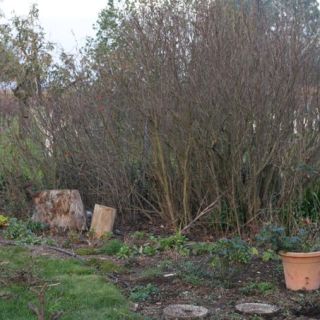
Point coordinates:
[(60, 208), (102, 220), (261, 309), (184, 311)]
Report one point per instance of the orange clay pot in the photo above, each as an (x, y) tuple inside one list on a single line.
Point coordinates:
[(301, 270)]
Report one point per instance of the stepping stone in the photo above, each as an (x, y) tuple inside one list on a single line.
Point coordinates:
[(257, 308), (184, 311)]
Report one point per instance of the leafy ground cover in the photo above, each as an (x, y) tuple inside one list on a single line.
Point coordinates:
[(150, 271)]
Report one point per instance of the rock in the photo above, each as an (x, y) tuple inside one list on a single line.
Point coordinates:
[(134, 307), (60, 208), (257, 308), (169, 275), (184, 311), (102, 220)]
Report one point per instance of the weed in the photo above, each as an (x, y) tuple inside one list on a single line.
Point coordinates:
[(256, 317), (275, 238), (36, 226), (152, 272), (74, 237), (111, 248), (229, 255), (195, 273), (175, 241), (104, 266), (201, 248), (233, 250), (125, 252), (3, 220), (66, 244), (143, 293), (149, 250), (139, 235), (269, 255), (263, 288), (86, 251), (91, 235), (18, 231), (166, 265), (107, 236)]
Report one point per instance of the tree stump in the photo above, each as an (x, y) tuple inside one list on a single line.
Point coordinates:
[(60, 208), (102, 220), (184, 311)]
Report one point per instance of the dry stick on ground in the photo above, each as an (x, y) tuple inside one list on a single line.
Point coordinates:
[(66, 252)]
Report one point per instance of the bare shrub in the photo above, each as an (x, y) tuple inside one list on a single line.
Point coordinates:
[(195, 102)]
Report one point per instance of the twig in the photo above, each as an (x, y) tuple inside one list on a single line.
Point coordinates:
[(202, 213), (40, 310), (66, 252)]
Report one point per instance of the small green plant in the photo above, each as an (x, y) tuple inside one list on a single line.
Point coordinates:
[(276, 239), (66, 244), (166, 265), (195, 273), (3, 220), (269, 255), (18, 231), (149, 250), (260, 288), (175, 241), (125, 252), (86, 251), (144, 293), (256, 317), (234, 250), (201, 248), (152, 272), (229, 255), (36, 226), (74, 237), (49, 242), (91, 234), (104, 266), (107, 236), (111, 247), (183, 251), (139, 235)]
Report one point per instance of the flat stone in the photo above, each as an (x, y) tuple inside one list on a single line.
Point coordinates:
[(184, 311), (257, 308)]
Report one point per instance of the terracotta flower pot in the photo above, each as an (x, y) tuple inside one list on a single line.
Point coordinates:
[(301, 270)]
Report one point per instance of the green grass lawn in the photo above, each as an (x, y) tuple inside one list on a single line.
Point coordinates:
[(77, 290)]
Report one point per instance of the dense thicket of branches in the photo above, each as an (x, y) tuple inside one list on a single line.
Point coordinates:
[(178, 104)]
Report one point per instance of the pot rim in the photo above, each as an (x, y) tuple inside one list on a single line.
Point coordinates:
[(299, 254)]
